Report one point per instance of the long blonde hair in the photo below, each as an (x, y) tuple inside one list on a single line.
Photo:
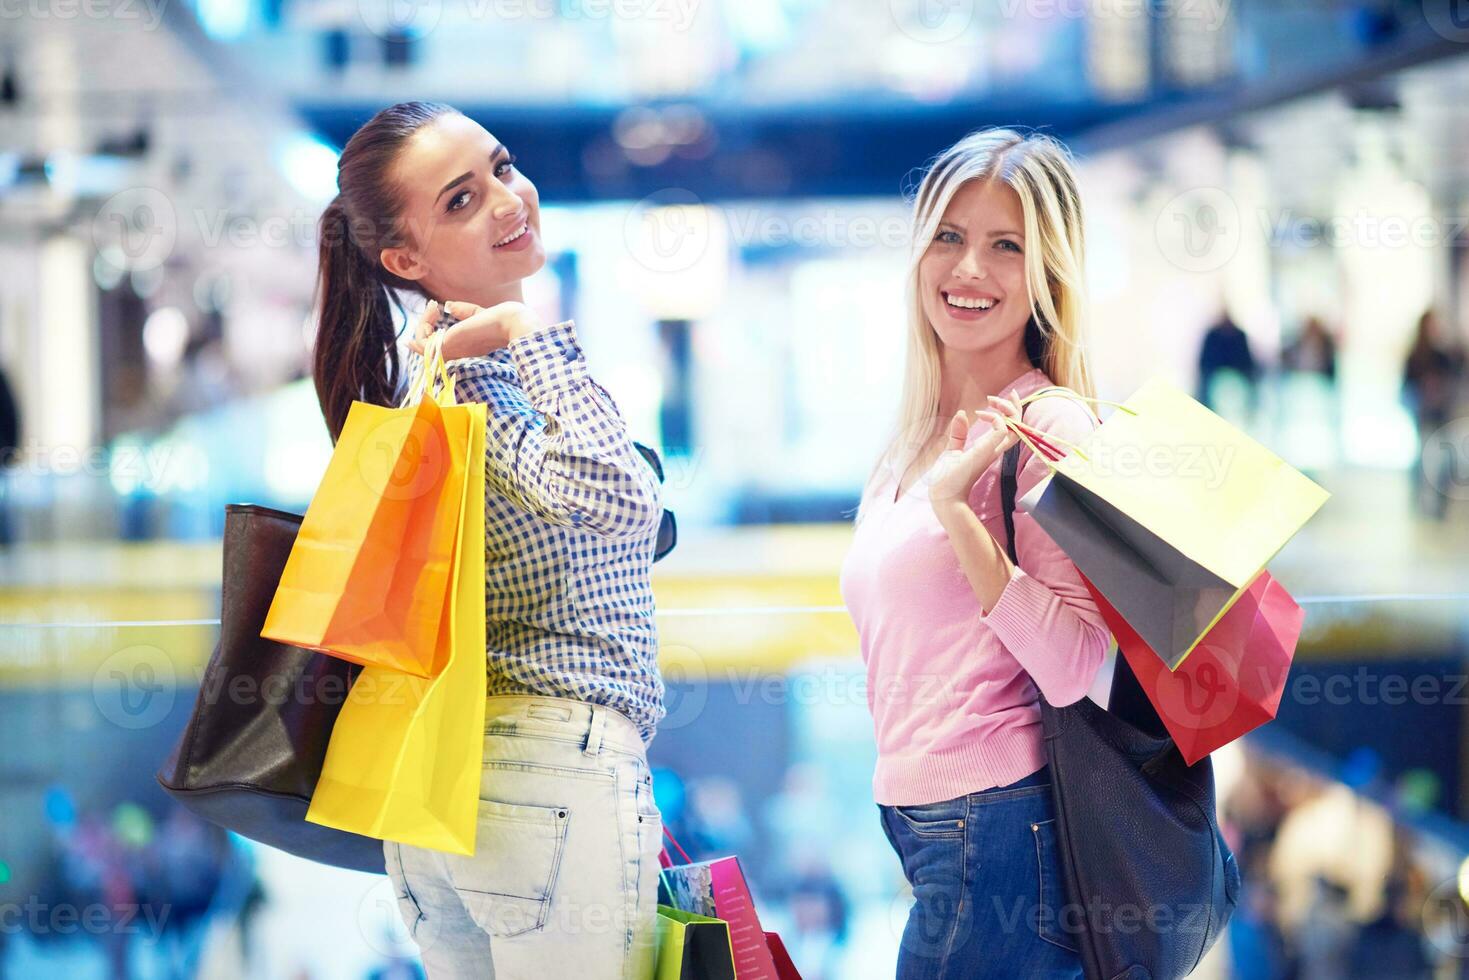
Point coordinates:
[(1039, 169)]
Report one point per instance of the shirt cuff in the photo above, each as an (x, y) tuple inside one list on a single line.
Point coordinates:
[(549, 360), (1019, 610)]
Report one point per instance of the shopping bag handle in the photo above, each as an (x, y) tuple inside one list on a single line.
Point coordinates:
[(435, 370), (664, 859), (1035, 438)]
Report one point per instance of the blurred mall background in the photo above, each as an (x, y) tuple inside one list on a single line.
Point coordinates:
[(1278, 195)]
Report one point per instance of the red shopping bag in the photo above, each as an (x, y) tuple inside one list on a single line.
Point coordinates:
[(784, 968), (1233, 680), (718, 889)]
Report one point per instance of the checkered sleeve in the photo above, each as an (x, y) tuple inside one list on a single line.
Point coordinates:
[(572, 460)]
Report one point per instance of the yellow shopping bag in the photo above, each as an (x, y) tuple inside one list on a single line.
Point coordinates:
[(405, 754), (367, 576), (1169, 511)]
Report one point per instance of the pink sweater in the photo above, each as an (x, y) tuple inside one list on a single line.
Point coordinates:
[(953, 691)]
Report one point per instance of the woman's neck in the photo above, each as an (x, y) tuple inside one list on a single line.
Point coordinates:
[(967, 378), (510, 292)]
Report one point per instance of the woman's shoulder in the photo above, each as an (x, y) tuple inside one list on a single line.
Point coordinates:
[(1061, 413), (484, 378)]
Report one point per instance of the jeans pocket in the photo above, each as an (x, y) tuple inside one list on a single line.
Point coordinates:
[(1048, 918), (935, 819), (508, 883), (646, 804)]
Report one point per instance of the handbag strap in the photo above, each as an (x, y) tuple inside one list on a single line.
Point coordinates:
[(1009, 466), (1126, 697)]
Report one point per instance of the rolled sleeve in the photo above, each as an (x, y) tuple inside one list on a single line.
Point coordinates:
[(570, 460), (549, 360)]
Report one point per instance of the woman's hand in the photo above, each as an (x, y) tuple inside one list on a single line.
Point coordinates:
[(478, 330), (957, 468)]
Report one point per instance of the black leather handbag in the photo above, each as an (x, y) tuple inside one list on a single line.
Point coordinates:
[(1150, 881), (252, 750)]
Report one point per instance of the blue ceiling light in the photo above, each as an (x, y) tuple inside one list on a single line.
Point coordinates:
[(759, 26), (223, 20)]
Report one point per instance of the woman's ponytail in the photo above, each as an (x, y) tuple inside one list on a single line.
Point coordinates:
[(355, 354)]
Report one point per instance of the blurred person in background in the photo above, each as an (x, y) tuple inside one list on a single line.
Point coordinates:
[(433, 206), (1327, 933), (1251, 814), (1392, 944), (9, 446), (1306, 390), (1312, 351), (718, 820), (1225, 350), (820, 914), (958, 641), (185, 866), (1432, 374)]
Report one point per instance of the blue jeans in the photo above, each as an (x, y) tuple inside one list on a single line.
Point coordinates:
[(987, 886)]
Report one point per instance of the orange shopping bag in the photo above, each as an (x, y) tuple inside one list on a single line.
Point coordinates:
[(369, 572)]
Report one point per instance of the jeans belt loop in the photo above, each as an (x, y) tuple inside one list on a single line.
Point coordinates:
[(595, 730)]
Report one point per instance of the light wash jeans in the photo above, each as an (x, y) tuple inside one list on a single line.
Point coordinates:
[(564, 879)]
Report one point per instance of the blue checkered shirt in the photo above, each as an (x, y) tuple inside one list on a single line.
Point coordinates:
[(571, 520)]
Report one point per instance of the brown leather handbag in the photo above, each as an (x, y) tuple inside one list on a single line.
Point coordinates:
[(252, 750)]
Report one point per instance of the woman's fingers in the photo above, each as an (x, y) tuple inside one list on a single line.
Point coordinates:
[(427, 320), (460, 310), (993, 419), (958, 430), (1010, 406)]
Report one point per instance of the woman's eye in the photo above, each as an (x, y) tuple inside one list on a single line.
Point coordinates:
[(947, 237), (505, 166), (1007, 244), (456, 197)]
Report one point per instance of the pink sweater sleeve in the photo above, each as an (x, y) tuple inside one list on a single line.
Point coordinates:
[(1045, 617)]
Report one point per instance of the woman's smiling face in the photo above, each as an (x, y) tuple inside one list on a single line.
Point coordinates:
[(473, 219), (972, 276)]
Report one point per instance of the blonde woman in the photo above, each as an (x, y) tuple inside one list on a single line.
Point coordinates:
[(959, 642)]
